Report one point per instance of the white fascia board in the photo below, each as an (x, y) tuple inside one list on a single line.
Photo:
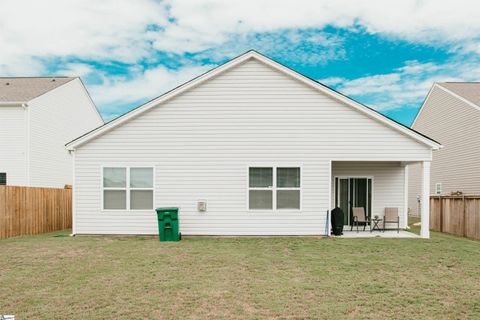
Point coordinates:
[(232, 63)]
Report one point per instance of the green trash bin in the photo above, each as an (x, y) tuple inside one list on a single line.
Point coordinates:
[(168, 224)]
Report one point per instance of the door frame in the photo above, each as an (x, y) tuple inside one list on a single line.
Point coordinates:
[(335, 189)]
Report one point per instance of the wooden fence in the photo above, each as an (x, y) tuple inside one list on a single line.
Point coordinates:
[(458, 215), (27, 210)]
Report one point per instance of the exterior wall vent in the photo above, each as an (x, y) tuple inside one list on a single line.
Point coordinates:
[(202, 205)]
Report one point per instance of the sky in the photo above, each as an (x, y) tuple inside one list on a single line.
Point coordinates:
[(385, 54)]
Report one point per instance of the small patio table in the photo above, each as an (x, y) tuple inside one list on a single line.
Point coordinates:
[(376, 226)]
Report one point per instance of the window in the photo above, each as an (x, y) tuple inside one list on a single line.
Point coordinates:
[(438, 188), (273, 187), (128, 187), (288, 188), (260, 193), (3, 178)]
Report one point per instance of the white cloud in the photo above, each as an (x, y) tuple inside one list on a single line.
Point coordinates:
[(116, 29), (110, 29), (116, 92), (35, 33), (406, 86), (202, 24), (75, 69)]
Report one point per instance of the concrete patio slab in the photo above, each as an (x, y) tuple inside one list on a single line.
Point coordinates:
[(378, 234)]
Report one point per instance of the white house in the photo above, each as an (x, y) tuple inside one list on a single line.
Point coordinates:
[(450, 114), (268, 150), (37, 117)]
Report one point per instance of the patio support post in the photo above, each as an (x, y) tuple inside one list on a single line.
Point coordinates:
[(405, 197), (425, 207)]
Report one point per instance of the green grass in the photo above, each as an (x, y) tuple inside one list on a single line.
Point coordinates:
[(57, 277)]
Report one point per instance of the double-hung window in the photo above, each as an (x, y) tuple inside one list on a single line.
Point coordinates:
[(127, 188), (274, 187)]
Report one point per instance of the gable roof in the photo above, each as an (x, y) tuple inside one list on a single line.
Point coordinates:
[(275, 65), (468, 92), (24, 89)]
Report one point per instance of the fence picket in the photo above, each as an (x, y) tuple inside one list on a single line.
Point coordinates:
[(458, 215), (31, 210)]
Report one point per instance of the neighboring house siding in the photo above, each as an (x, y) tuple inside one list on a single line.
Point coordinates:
[(388, 184), (202, 142), (56, 118), (456, 125), (12, 144)]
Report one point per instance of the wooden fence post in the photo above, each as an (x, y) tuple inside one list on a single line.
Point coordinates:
[(464, 217), (441, 212)]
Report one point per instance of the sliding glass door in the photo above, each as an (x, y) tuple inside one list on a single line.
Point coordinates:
[(351, 192)]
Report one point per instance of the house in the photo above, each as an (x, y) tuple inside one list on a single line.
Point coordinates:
[(264, 149), (37, 117), (451, 114)]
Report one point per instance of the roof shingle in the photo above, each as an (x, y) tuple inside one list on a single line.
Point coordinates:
[(22, 89)]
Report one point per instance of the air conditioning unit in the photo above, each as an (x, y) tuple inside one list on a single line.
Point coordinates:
[(202, 205)]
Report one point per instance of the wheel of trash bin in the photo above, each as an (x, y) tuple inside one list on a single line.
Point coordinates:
[(179, 236)]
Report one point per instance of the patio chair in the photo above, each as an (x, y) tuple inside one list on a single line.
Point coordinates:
[(391, 216), (359, 218)]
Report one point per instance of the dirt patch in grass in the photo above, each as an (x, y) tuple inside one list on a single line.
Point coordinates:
[(53, 277)]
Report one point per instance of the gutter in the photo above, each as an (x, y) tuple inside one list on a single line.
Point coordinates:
[(13, 103)]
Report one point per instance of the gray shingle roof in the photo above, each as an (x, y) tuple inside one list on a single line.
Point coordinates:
[(466, 90), (14, 89)]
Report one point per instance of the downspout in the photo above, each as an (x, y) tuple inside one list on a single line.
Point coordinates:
[(74, 225), (27, 142)]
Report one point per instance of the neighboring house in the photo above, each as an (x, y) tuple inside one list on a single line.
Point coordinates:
[(450, 114), (37, 117), (268, 150)]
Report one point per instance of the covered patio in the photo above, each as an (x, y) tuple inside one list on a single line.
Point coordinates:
[(373, 186)]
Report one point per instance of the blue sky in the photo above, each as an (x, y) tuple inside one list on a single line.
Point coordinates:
[(383, 54)]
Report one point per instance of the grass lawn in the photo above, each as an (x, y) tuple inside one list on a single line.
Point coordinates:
[(54, 276)]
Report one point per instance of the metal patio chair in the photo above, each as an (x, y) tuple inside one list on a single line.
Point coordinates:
[(391, 216), (359, 217)]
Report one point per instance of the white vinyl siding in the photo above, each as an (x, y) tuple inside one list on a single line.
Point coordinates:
[(57, 117), (456, 166), (202, 141), (13, 148)]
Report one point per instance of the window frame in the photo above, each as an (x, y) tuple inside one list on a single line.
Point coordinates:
[(127, 188), (274, 187), (6, 178), (438, 188)]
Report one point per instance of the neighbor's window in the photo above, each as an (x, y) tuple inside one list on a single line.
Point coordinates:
[(438, 188), (3, 178), (274, 187), (128, 187)]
